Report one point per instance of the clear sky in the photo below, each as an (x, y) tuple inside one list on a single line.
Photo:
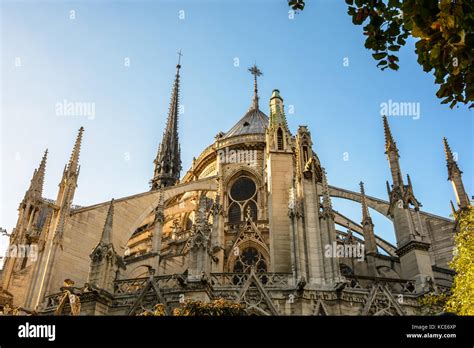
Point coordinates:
[(82, 60)]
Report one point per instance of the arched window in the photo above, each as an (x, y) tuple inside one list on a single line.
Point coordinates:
[(305, 154), (242, 195), (280, 139), (234, 215), (345, 270), (248, 258)]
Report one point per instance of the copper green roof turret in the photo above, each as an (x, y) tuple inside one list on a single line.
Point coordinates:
[(277, 111)]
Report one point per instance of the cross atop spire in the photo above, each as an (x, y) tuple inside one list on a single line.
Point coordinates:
[(255, 71), (179, 59)]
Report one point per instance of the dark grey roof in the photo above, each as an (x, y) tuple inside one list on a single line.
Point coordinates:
[(253, 122)]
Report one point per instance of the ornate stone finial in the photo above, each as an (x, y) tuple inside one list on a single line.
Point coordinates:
[(390, 144), (450, 161), (73, 165), (255, 71), (37, 181), (455, 176), (109, 220)]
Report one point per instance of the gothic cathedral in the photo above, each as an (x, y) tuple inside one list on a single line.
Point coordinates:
[(251, 221)]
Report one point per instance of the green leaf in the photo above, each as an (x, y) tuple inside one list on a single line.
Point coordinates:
[(447, 100), (434, 54), (393, 66), (401, 41), (393, 58), (380, 55)]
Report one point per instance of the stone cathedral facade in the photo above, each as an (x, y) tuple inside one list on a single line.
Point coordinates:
[(251, 221)]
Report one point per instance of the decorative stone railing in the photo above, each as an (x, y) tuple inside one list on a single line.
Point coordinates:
[(239, 279), (127, 287), (399, 286)]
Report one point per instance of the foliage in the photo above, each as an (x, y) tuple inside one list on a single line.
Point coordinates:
[(296, 4), (444, 34), (218, 307), (432, 304), (462, 300), (158, 311)]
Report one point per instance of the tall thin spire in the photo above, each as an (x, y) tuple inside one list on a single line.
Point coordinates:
[(255, 71), (37, 181), (109, 220), (368, 231), (455, 176), (73, 164), (450, 161), (168, 159), (389, 141), (391, 151), (365, 209)]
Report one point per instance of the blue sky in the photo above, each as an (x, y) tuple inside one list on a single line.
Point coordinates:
[(82, 60)]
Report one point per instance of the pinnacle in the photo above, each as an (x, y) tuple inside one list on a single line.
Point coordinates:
[(73, 164)]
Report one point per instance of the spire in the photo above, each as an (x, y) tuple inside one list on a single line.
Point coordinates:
[(37, 181), (73, 165), (450, 161), (368, 230), (391, 151), (168, 159), (327, 206), (255, 71), (453, 209), (107, 231), (366, 219), (455, 176), (389, 142)]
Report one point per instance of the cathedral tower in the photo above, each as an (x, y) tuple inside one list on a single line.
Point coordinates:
[(280, 174), (30, 223), (42, 274), (412, 242)]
